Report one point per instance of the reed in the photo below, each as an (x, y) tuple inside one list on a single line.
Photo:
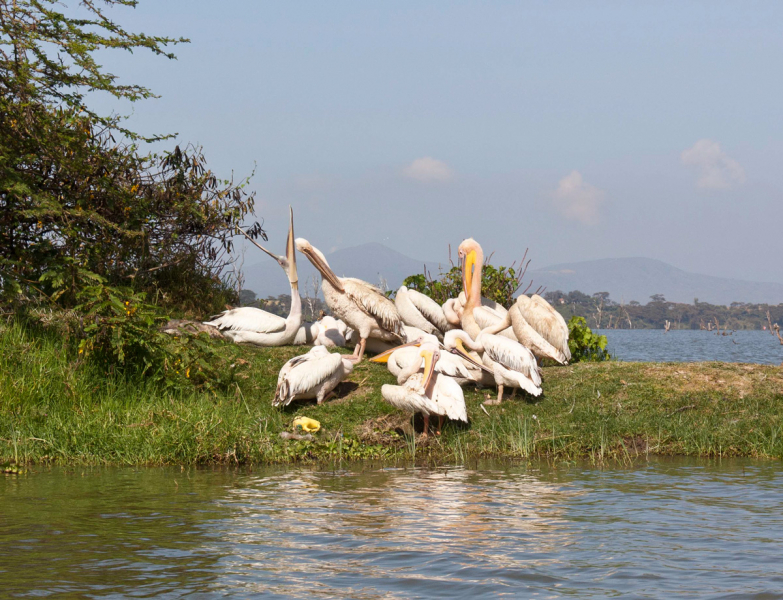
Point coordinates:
[(54, 408)]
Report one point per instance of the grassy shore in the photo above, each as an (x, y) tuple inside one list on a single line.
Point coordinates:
[(54, 409)]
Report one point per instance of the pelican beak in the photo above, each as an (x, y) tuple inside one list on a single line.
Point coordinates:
[(430, 358), (467, 271), (290, 250), (462, 353), (383, 357), (324, 269)]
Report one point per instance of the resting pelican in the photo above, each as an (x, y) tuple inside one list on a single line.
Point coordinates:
[(489, 313), (550, 324), (327, 331), (311, 375), (463, 369), (427, 392), (255, 326), (362, 306), (421, 311), (512, 363), (471, 251)]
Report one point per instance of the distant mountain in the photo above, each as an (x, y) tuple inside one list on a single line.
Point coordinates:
[(625, 279), (637, 279), (369, 262)]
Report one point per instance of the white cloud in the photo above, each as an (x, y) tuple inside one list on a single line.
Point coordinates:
[(428, 169), (717, 170), (576, 199)]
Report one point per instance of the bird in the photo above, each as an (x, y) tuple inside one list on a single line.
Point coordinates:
[(545, 320), (489, 313), (361, 305), (311, 375), (419, 310), (250, 325), (513, 364), (327, 331), (425, 390), (522, 331), (462, 369)]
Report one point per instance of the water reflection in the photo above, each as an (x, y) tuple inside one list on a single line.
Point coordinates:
[(667, 527)]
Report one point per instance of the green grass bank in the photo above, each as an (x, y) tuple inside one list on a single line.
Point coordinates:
[(55, 409)]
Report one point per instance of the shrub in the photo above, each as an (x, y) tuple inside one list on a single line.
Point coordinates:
[(584, 344)]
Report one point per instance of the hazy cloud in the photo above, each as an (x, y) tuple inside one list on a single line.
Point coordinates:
[(428, 169), (717, 170), (576, 199)]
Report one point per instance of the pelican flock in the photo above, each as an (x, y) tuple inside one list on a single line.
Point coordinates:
[(432, 350)]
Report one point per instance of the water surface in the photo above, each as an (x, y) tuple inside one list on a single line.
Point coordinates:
[(694, 528), (653, 345)]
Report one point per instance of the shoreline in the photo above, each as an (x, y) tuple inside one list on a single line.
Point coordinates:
[(53, 412)]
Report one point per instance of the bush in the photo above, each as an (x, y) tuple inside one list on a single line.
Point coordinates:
[(585, 346), (497, 283)]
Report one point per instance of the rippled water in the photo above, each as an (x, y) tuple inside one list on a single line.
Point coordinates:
[(692, 528), (693, 346)]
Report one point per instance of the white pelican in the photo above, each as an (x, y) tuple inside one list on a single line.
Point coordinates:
[(471, 251), (549, 323), (463, 369), (427, 391), (419, 310), (327, 331), (513, 365), (489, 313), (362, 306), (311, 375), (255, 326)]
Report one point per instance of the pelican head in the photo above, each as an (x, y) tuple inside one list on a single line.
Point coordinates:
[(470, 253), (319, 262)]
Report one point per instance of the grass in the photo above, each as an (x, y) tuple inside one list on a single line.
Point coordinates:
[(55, 409)]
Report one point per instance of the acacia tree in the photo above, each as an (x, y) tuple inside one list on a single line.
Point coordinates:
[(79, 201)]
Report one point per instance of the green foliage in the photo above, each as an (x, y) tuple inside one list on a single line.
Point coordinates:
[(584, 344), (497, 283), (122, 333)]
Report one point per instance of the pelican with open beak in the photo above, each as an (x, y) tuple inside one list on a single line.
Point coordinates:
[(424, 389), (250, 325), (362, 306)]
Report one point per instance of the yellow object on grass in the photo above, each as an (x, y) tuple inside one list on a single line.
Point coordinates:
[(307, 425)]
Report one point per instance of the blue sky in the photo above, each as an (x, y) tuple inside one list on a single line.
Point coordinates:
[(580, 130)]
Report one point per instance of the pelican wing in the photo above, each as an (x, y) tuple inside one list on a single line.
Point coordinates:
[(486, 317), (429, 309), (247, 318), (549, 323), (513, 356), (450, 399), (305, 373), (370, 300), (533, 340)]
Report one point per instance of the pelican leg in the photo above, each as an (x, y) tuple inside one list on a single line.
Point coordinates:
[(440, 424), (426, 425), (500, 397), (359, 350), (513, 393)]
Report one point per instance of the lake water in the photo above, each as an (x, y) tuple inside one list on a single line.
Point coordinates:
[(693, 346), (692, 528)]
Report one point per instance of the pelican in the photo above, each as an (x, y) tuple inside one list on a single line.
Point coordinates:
[(362, 306), (463, 369), (489, 313), (471, 251), (427, 392), (546, 321), (327, 331), (255, 326), (513, 364), (421, 311), (311, 375)]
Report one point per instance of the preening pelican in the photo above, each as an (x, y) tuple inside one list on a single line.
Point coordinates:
[(546, 321), (312, 375), (255, 326), (488, 314), (426, 391), (362, 306), (418, 310)]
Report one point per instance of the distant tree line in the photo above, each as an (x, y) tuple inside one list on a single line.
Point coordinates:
[(602, 312)]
